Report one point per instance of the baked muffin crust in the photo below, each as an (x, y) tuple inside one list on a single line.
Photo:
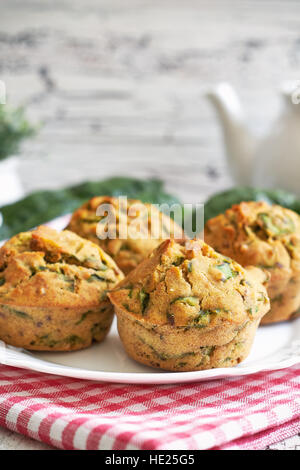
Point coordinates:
[(184, 303), (129, 252), (255, 233), (53, 291)]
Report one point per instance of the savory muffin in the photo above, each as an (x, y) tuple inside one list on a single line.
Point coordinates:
[(258, 234), (132, 233), (187, 307), (53, 291)]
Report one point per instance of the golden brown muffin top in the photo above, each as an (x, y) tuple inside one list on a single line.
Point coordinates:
[(257, 233), (190, 284), (46, 268), (141, 238)]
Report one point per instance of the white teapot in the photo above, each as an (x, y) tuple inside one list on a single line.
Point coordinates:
[(273, 162), (10, 184)]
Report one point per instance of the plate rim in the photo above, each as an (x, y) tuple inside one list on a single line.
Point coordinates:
[(10, 356)]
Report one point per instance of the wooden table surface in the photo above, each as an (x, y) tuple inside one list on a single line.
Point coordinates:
[(120, 88)]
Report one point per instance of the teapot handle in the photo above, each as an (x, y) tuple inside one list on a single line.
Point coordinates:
[(290, 91)]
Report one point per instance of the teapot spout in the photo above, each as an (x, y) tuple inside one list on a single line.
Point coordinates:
[(239, 143)]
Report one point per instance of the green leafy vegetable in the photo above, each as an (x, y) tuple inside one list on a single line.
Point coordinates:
[(278, 298), (47, 340), (178, 261), (69, 281), (220, 202), (202, 319), (13, 129), (98, 328), (276, 228), (83, 317), (130, 288), (41, 206), (226, 270), (18, 313), (144, 299), (191, 301), (190, 266), (164, 356), (95, 277), (73, 339)]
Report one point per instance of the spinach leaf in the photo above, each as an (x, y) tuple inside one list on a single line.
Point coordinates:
[(96, 278), (219, 202), (276, 228), (13, 129), (144, 300), (191, 301), (226, 270), (42, 206)]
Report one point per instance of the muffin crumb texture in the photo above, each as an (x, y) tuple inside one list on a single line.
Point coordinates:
[(135, 228), (187, 308), (258, 234), (53, 291)]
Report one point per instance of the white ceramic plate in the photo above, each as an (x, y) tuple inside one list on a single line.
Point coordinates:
[(275, 347)]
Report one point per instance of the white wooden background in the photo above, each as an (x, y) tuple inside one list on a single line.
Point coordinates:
[(119, 86)]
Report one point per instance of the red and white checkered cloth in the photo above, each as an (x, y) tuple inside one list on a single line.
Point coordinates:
[(248, 412)]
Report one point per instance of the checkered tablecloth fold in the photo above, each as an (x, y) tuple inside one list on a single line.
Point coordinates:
[(238, 413)]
